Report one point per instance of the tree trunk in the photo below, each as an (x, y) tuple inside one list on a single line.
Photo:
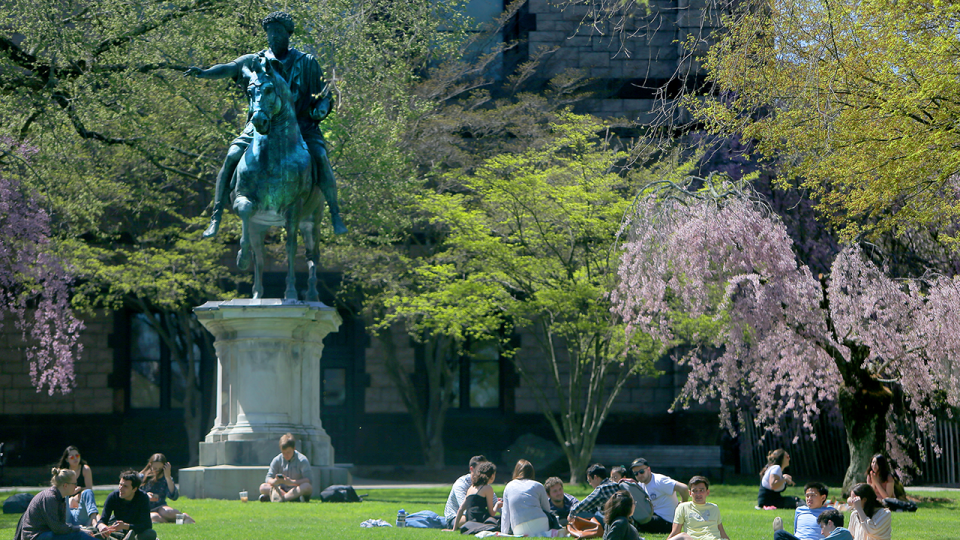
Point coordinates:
[(865, 421)]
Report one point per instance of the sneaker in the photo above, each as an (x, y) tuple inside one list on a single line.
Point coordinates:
[(264, 498), (305, 498), (777, 524)]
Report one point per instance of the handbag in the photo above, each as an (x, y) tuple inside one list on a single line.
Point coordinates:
[(584, 528)]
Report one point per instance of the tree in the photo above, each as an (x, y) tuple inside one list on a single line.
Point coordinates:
[(34, 281), (854, 101), (713, 268), (126, 144), (530, 241)]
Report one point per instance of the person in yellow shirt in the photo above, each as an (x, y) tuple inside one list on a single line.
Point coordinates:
[(698, 519)]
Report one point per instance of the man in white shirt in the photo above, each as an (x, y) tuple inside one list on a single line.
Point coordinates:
[(663, 492)]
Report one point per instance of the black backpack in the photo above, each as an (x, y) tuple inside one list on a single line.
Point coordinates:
[(17, 503), (340, 494), (644, 511)]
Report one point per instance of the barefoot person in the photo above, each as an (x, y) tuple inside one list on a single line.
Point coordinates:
[(81, 507), (289, 476), (158, 484)]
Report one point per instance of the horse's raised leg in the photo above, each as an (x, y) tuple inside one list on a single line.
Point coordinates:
[(244, 208), (308, 226), (258, 233), (293, 225)]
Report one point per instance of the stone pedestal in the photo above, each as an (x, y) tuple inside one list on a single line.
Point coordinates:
[(268, 384)]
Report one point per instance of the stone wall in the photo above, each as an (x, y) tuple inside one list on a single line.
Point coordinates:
[(632, 65), (92, 394)]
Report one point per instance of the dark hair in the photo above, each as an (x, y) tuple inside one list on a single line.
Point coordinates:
[(883, 467), (832, 515), (482, 474), (475, 460), (699, 480), (775, 457), (819, 486), (148, 473), (132, 476), (552, 481), (619, 504), (869, 497), (524, 469), (283, 18), (639, 462), (621, 470), (65, 463), (597, 470)]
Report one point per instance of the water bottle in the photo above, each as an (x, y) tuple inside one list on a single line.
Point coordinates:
[(402, 518)]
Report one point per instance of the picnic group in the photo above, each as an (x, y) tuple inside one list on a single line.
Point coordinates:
[(628, 501), (624, 502)]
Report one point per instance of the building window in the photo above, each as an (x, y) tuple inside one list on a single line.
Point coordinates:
[(479, 374), (156, 382)]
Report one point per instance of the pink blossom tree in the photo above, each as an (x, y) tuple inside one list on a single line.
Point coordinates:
[(715, 269), (34, 284)]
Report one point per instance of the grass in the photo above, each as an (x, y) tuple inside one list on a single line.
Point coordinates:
[(255, 521)]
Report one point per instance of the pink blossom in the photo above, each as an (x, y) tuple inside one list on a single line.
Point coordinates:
[(35, 285), (781, 336)]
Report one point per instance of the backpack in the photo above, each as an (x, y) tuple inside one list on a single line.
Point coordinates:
[(339, 494), (17, 503), (644, 510)]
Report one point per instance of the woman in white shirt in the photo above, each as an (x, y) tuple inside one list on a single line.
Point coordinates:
[(773, 482), (525, 504), (869, 520)]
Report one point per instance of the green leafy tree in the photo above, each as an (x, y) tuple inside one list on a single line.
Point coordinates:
[(530, 241), (854, 100)]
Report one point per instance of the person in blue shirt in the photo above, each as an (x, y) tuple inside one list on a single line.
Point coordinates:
[(831, 525), (805, 526)]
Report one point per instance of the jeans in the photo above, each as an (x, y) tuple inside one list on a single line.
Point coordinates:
[(81, 515), (784, 535)]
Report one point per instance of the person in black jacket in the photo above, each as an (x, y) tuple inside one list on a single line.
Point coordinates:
[(617, 514), (46, 516), (131, 509)]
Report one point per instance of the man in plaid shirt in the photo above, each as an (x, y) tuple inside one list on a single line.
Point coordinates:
[(603, 489)]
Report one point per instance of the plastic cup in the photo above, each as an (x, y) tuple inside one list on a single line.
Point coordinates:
[(179, 519), (243, 496)]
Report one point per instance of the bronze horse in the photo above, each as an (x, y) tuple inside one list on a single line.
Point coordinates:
[(275, 181)]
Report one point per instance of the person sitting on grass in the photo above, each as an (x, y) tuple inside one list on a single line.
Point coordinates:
[(81, 507), (773, 482), (831, 525), (480, 501), (698, 519), (869, 520), (288, 478), (130, 507), (459, 491), (617, 514), (805, 525), (560, 502), (46, 516), (603, 488), (618, 473), (158, 484)]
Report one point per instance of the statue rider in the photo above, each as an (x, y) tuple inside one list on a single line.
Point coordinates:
[(311, 101)]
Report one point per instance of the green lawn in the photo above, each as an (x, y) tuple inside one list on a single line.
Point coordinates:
[(256, 521)]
